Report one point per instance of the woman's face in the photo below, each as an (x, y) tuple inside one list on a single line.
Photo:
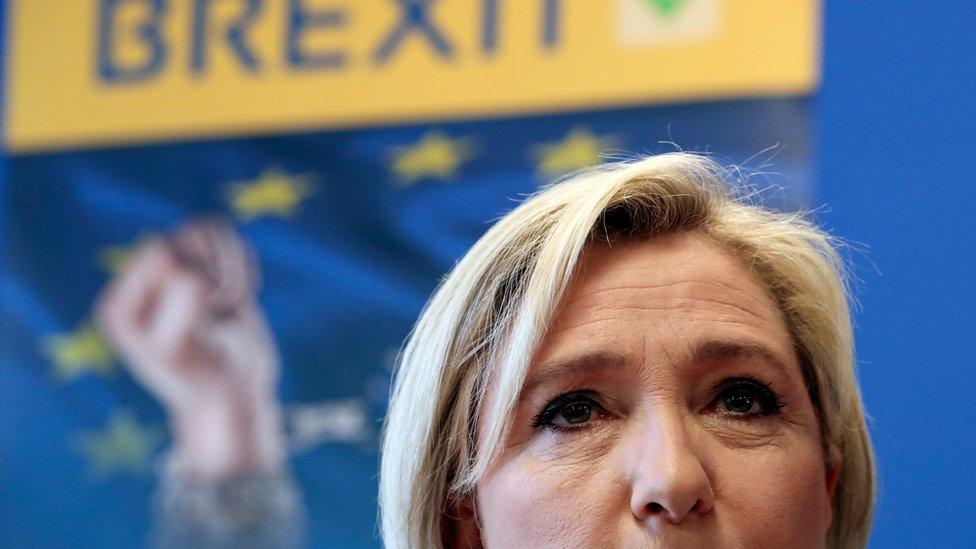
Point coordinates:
[(666, 407)]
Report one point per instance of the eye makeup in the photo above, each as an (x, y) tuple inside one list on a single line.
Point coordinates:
[(741, 398), (745, 398), (570, 411)]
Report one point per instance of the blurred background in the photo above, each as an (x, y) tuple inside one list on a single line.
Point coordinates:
[(219, 219)]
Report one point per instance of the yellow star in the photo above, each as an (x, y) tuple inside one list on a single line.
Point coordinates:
[(76, 352), (124, 445), (579, 149), (273, 193), (434, 156), (114, 258)]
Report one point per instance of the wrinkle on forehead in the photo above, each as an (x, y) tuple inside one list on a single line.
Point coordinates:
[(706, 277), (678, 265), (676, 286), (732, 312), (653, 302), (672, 286)]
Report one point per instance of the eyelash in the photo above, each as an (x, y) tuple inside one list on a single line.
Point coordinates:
[(770, 401)]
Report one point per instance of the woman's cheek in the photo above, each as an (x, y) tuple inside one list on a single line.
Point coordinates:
[(577, 448), (543, 497), (782, 485)]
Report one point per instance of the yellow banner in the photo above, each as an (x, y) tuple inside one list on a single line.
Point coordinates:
[(86, 72)]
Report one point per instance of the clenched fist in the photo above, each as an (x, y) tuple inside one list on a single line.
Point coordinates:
[(184, 318)]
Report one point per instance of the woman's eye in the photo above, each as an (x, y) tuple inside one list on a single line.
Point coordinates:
[(577, 412), (747, 399), (741, 401), (568, 411)]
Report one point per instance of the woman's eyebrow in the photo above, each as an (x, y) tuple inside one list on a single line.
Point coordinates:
[(585, 362), (709, 350), (717, 350)]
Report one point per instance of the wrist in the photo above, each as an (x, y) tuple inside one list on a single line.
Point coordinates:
[(224, 436)]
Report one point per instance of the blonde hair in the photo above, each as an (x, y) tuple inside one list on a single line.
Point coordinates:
[(490, 313)]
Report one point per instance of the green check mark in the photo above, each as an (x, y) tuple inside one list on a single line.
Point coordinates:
[(666, 8)]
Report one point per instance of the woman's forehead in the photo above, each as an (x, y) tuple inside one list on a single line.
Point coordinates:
[(666, 304), (671, 295), (664, 261)]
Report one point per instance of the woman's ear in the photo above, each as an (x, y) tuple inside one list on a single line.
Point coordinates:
[(833, 467), (459, 525), (834, 464)]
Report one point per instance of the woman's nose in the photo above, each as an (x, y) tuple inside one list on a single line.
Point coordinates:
[(669, 480)]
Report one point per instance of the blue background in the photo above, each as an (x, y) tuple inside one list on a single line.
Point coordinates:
[(895, 158)]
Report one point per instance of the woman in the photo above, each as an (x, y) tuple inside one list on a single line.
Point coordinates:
[(634, 356)]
